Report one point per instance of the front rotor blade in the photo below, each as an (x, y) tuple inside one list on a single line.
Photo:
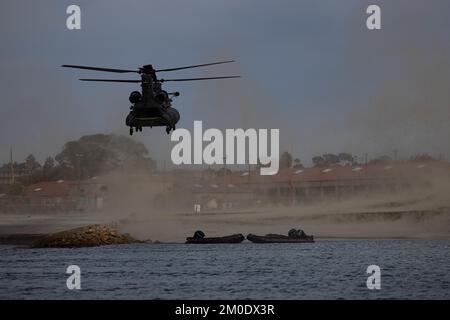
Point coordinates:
[(98, 69), (195, 79), (111, 80), (195, 66)]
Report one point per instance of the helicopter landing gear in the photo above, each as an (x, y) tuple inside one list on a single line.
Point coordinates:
[(137, 129), (168, 129)]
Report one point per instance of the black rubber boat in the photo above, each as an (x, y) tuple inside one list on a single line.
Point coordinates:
[(294, 236), (199, 238)]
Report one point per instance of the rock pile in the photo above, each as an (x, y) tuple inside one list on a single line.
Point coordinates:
[(90, 236)]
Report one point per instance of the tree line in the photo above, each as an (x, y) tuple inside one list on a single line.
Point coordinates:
[(89, 156), (345, 159)]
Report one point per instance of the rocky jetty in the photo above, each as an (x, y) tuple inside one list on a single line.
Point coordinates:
[(90, 236)]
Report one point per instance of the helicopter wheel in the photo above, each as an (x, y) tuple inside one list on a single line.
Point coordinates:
[(131, 131)]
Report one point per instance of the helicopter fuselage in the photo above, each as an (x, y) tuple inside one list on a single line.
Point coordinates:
[(152, 108), (152, 117)]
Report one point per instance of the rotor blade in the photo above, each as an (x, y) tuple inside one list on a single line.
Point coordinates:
[(194, 66), (98, 69), (195, 79), (111, 80)]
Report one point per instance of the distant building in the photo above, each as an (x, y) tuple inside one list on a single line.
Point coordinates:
[(302, 185), (9, 175), (58, 196)]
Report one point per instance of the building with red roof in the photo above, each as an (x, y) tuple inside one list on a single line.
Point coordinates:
[(299, 185), (64, 195)]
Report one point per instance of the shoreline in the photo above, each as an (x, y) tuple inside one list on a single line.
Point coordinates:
[(28, 239), (425, 224)]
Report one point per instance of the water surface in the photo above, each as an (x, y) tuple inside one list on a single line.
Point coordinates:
[(411, 269)]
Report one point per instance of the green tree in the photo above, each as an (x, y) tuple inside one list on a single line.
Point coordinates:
[(318, 161), (285, 160), (96, 154), (297, 163), (346, 158), (31, 164), (49, 164), (331, 159)]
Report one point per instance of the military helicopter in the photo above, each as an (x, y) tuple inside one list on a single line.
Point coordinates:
[(152, 107)]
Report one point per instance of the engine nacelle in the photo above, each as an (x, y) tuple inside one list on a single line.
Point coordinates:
[(172, 115), (161, 97), (135, 97)]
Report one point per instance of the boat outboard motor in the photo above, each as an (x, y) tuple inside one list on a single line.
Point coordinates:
[(199, 234), (292, 233)]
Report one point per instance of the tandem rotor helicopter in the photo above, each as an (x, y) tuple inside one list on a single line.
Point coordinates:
[(152, 107)]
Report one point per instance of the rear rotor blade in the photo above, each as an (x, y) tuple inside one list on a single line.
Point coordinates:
[(99, 69), (194, 66), (196, 79), (111, 80)]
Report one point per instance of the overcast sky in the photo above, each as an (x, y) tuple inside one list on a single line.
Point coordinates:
[(310, 68)]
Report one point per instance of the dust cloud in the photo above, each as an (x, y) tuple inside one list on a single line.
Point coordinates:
[(150, 207)]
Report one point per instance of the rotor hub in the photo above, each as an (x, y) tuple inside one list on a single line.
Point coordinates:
[(147, 69)]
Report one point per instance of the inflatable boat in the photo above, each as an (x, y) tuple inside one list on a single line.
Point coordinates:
[(199, 238), (294, 236)]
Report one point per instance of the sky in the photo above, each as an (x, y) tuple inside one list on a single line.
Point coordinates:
[(310, 68)]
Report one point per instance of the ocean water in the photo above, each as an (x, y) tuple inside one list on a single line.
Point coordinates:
[(410, 269)]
